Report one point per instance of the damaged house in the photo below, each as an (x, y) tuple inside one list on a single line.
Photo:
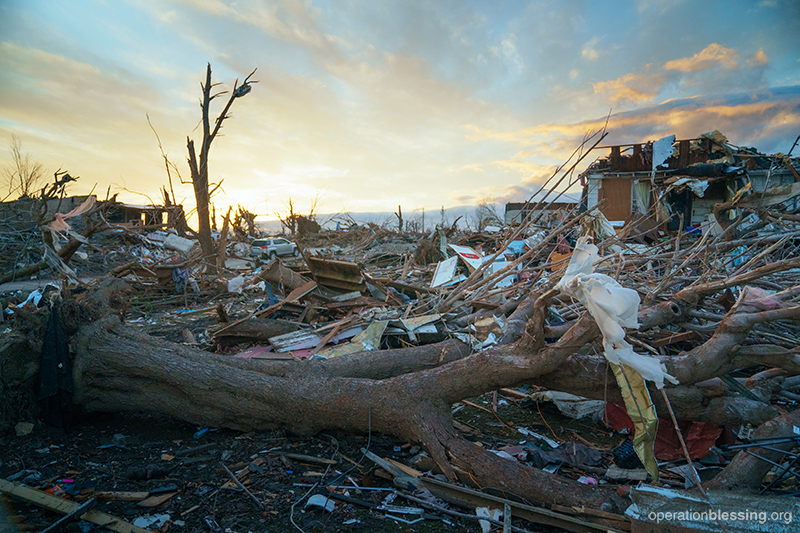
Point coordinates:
[(146, 215), (552, 209), (688, 181)]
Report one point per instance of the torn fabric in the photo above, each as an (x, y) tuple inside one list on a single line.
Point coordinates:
[(59, 227), (60, 224), (613, 308)]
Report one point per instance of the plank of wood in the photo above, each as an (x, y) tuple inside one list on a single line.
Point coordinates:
[(515, 394), (331, 334), (308, 458), (190, 509), (471, 498), (401, 478), (71, 517), (62, 506), (301, 291), (121, 496), (588, 511), (155, 501), (405, 468)]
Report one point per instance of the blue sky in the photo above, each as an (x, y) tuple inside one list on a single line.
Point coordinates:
[(374, 104)]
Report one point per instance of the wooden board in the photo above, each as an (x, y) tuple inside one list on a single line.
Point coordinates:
[(155, 501), (120, 496), (63, 506)]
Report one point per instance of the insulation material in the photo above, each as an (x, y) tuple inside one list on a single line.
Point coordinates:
[(697, 186), (662, 150)]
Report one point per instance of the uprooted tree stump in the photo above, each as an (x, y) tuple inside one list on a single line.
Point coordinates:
[(408, 392)]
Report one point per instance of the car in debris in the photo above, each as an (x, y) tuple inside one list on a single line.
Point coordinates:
[(272, 247)]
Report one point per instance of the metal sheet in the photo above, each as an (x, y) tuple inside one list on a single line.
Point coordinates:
[(300, 340)]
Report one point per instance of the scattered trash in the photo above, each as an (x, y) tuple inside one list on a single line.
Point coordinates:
[(662, 261), (323, 502)]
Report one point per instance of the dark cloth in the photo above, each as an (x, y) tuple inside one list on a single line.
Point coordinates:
[(55, 375), (181, 278)]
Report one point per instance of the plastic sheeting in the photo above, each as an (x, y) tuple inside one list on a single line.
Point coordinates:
[(60, 224)]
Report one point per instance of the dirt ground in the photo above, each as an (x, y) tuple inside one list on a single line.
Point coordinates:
[(110, 452)]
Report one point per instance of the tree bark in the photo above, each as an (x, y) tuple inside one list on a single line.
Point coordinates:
[(746, 471), (118, 369)]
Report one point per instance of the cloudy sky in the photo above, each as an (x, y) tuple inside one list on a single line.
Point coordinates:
[(370, 104)]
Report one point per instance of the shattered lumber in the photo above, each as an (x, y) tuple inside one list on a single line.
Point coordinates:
[(61, 505), (398, 393)]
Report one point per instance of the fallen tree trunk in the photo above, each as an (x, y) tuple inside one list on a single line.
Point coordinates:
[(117, 369)]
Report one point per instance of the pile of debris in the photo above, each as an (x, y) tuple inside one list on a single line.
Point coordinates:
[(597, 368)]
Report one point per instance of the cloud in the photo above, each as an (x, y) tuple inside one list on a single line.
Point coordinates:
[(589, 52), (631, 87), (508, 51), (477, 167), (712, 55), (660, 6), (713, 70), (759, 58)]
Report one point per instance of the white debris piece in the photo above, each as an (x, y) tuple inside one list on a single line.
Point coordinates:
[(613, 308), (236, 284), (179, 244)]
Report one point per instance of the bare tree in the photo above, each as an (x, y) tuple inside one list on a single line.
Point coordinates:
[(289, 221), (199, 165), (24, 174), (244, 223), (487, 213), (399, 215), (300, 225)]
